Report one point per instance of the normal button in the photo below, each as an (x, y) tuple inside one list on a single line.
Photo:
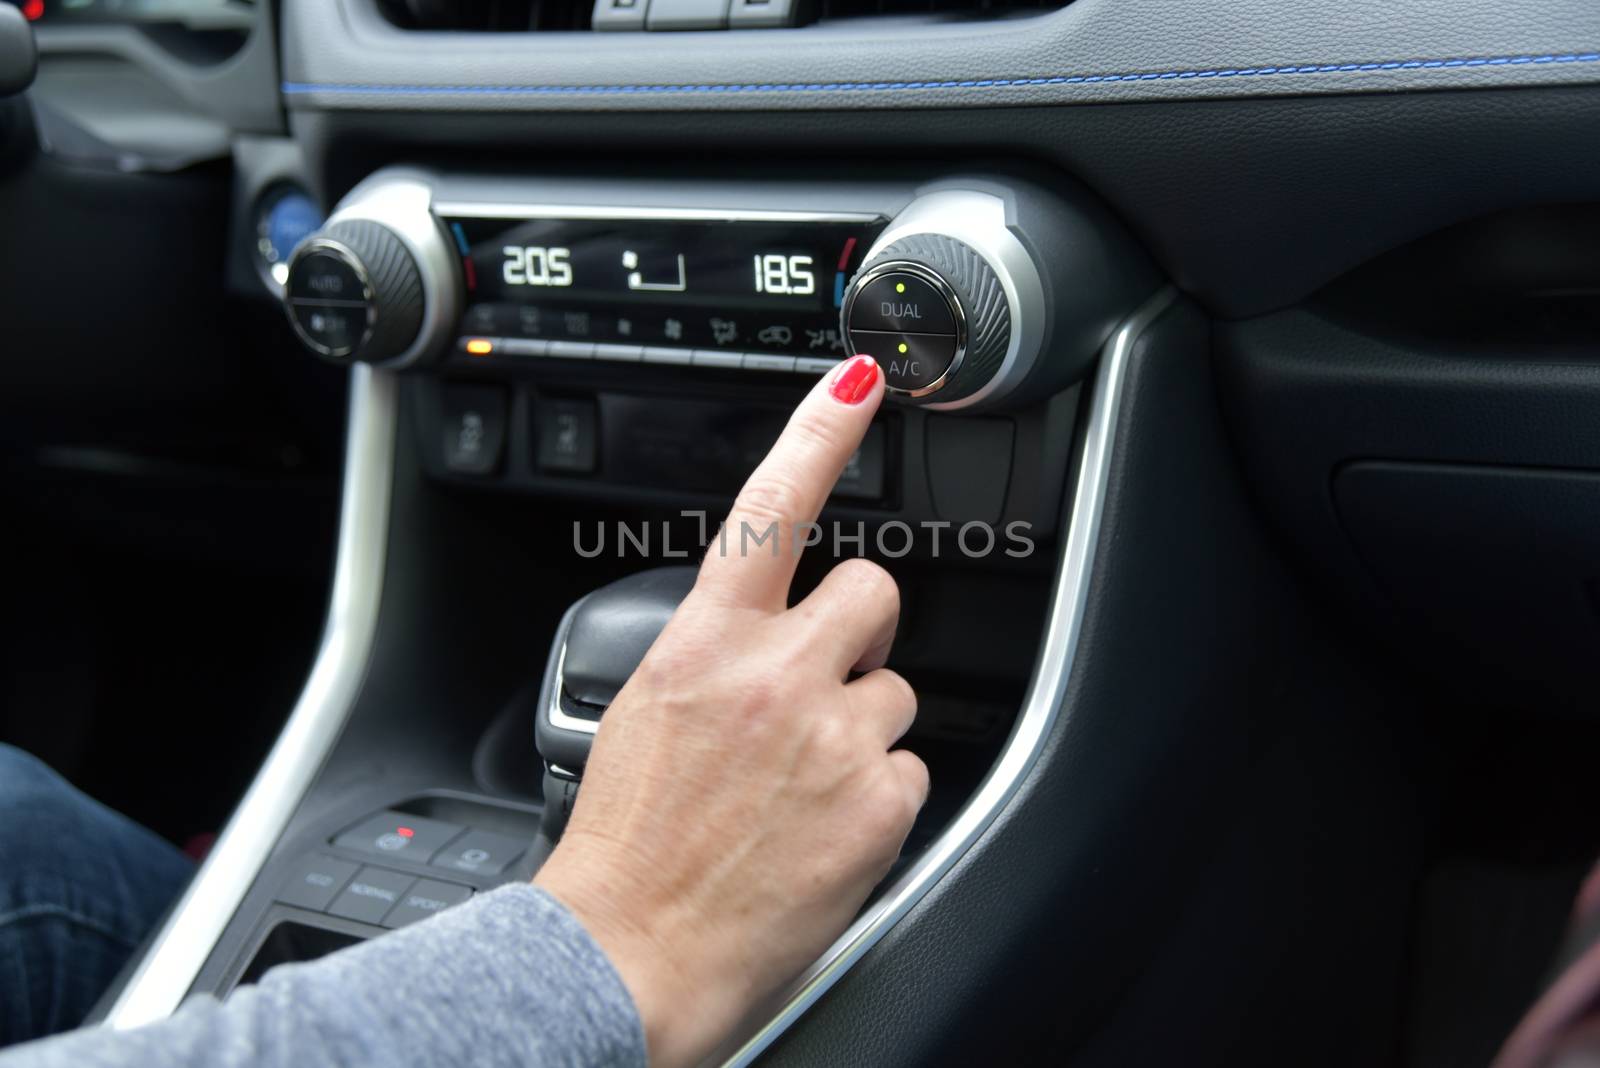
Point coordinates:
[(370, 895), (904, 303)]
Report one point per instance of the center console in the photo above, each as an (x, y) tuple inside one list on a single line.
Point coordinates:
[(557, 384)]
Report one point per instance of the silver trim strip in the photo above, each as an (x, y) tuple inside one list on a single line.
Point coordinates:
[(191, 932), (1046, 694), (468, 209), (553, 711)]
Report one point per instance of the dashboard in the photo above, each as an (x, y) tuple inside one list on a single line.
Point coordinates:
[(1168, 287)]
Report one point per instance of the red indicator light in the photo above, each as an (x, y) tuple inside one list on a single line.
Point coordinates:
[(33, 10), (404, 832)]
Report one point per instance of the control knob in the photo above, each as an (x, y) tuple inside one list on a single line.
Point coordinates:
[(376, 283)]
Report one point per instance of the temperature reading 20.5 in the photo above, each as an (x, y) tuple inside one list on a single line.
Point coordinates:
[(784, 275), (535, 265)]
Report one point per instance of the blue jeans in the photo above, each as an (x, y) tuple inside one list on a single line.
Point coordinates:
[(80, 886)]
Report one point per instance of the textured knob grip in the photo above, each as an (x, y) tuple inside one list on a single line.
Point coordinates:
[(982, 300), (395, 281)]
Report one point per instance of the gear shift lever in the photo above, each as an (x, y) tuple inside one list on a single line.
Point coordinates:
[(600, 642)]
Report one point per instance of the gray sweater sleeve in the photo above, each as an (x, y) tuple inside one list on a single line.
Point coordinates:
[(507, 979)]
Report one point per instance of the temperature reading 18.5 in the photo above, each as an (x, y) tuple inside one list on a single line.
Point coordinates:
[(535, 265), (786, 275)]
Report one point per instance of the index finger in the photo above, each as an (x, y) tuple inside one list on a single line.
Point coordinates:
[(753, 557)]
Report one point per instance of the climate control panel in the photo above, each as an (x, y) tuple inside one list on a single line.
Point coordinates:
[(970, 293)]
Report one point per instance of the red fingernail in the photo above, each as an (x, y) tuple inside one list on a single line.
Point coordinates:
[(854, 380)]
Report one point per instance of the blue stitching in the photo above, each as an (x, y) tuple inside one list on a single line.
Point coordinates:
[(986, 83)]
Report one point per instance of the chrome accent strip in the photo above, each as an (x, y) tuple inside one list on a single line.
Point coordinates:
[(468, 209), (190, 933), (1046, 692), (553, 712)]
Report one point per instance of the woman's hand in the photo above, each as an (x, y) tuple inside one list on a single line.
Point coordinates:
[(742, 798)]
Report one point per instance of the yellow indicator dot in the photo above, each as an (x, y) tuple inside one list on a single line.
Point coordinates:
[(899, 287), (902, 346), (480, 346)]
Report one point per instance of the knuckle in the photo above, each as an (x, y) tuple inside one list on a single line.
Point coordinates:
[(905, 697), (870, 581), (771, 497)]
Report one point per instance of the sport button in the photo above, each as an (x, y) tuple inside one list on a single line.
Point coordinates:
[(901, 302), (910, 362), (426, 898)]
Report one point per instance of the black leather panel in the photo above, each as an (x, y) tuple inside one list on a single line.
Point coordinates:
[(1092, 51)]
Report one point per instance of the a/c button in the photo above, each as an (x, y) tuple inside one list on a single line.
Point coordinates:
[(910, 362)]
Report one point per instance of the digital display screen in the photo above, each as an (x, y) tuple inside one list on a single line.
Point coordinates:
[(742, 286)]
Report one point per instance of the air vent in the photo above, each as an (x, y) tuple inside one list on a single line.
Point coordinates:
[(520, 16), (977, 9), (489, 16)]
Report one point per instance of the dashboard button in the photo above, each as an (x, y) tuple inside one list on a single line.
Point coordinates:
[(370, 895), (398, 836), (567, 432), (314, 880), (714, 358), (522, 346), (572, 350), (814, 365), (337, 328), (910, 362), (481, 853), (425, 899), (474, 428), (760, 361), (327, 275), (904, 303), (661, 354), (605, 350), (863, 474)]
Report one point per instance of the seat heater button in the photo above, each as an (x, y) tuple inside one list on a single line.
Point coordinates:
[(314, 880), (397, 836), (567, 432), (370, 895), (474, 427), (425, 899), (480, 853)]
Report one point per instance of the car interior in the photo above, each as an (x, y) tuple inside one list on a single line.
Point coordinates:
[(375, 372)]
